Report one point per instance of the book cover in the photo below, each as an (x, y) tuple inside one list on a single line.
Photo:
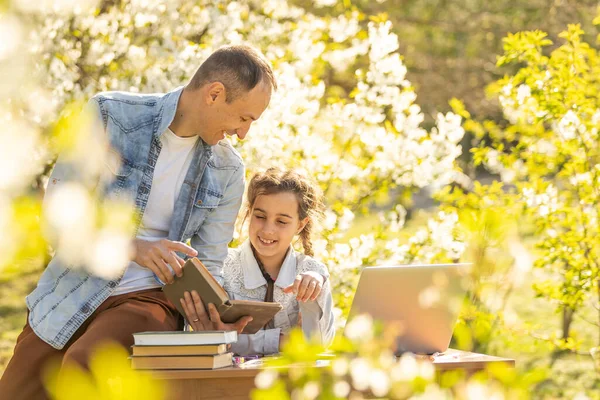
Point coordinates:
[(182, 362), (177, 338), (197, 277), (185, 350)]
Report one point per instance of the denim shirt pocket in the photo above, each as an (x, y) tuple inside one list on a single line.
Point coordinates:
[(206, 201), (117, 175)]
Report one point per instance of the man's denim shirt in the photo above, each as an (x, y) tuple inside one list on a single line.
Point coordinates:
[(204, 212)]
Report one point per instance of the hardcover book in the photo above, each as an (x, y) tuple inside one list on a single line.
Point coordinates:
[(182, 362), (177, 338), (197, 277), (183, 350)]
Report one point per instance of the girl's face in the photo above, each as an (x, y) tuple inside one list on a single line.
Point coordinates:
[(274, 222)]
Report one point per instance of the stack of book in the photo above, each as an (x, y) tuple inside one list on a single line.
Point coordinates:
[(182, 350)]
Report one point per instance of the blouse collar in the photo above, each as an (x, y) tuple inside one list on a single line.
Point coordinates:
[(253, 277)]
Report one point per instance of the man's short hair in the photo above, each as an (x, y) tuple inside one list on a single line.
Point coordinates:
[(239, 68)]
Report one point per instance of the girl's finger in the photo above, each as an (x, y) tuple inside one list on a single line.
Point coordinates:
[(302, 288), (314, 284), (297, 282), (317, 291), (308, 293)]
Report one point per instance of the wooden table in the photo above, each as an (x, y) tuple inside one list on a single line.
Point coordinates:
[(236, 383)]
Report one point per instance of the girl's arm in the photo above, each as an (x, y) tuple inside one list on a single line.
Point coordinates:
[(317, 316), (263, 342)]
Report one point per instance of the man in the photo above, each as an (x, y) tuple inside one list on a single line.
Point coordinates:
[(187, 184)]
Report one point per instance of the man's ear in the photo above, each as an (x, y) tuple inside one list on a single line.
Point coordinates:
[(216, 93), (301, 225)]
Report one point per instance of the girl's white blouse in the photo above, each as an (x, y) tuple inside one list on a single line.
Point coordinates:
[(244, 281)]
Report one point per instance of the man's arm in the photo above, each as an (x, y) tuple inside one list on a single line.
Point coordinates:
[(213, 237), (74, 163), (81, 164)]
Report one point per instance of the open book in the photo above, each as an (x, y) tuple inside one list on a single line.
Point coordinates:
[(197, 277)]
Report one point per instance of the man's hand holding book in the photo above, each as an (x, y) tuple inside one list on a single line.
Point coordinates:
[(196, 315)]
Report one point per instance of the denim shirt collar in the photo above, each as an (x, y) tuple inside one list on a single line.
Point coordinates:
[(168, 108), (253, 277), (167, 111)]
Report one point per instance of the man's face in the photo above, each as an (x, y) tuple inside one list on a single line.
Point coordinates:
[(236, 117)]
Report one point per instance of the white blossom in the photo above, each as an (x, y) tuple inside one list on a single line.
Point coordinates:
[(379, 382), (341, 389), (523, 93), (265, 378), (348, 146), (324, 3), (360, 328), (360, 369), (569, 126)]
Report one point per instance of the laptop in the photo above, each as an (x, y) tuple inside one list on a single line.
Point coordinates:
[(422, 301)]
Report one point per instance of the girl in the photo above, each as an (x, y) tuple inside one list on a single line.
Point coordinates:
[(265, 267)]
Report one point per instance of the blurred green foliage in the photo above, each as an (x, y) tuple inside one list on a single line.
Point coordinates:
[(366, 368), (545, 152), (450, 47), (110, 377), (548, 150)]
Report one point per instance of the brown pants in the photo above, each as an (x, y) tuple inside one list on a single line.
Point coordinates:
[(115, 320)]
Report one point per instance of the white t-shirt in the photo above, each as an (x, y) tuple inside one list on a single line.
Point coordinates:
[(170, 170)]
